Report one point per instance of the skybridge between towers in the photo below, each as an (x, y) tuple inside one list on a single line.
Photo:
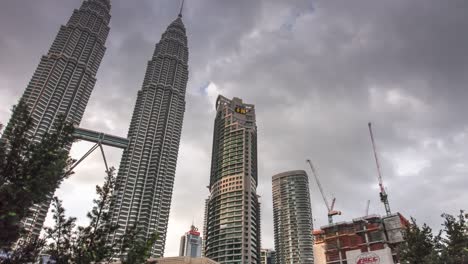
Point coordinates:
[(101, 139)]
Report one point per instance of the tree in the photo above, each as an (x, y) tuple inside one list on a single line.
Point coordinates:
[(456, 239), (137, 250), (26, 251), (418, 244), (92, 245), (30, 170), (61, 234), (448, 247)]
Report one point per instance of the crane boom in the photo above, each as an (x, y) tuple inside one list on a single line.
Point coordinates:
[(330, 210), (383, 193), (367, 207), (319, 185)]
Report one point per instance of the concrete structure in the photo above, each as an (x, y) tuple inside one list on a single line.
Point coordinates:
[(233, 210), (292, 216), (319, 252), (182, 260), (191, 243), (268, 256), (65, 78), (363, 238), (146, 175)]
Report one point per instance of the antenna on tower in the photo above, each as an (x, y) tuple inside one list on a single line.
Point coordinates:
[(181, 8)]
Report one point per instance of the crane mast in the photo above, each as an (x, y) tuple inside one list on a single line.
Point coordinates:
[(383, 193), (330, 210), (367, 208)]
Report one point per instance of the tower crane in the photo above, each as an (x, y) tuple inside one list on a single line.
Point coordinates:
[(367, 208), (383, 193), (331, 212)]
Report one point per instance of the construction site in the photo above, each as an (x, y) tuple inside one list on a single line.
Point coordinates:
[(371, 239), (367, 240)]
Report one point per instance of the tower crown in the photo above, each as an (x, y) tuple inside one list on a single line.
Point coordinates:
[(107, 3)]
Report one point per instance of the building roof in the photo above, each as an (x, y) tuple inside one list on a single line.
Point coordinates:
[(182, 260), (289, 173)]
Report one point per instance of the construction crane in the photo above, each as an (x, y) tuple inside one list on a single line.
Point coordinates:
[(367, 208), (331, 212), (383, 193)]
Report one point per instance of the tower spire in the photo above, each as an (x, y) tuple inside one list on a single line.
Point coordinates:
[(181, 8)]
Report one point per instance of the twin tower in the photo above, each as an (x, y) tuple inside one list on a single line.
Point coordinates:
[(63, 83)]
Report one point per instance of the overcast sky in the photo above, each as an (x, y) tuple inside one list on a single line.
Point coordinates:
[(317, 72)]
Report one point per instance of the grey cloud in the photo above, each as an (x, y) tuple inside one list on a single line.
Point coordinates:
[(316, 82)]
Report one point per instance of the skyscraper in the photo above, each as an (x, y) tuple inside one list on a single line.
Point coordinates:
[(65, 78), (292, 217), (233, 209), (146, 175), (268, 256), (191, 243)]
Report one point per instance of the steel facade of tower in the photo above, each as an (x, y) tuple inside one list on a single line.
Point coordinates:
[(233, 211), (292, 217), (146, 175), (65, 78)]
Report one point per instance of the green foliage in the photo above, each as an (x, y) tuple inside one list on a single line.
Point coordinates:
[(456, 240), (138, 250), (30, 170), (61, 234), (448, 247), (419, 243), (26, 251), (92, 244)]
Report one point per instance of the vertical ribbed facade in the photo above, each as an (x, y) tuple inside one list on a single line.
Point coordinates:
[(65, 78), (146, 175), (233, 210), (292, 217)]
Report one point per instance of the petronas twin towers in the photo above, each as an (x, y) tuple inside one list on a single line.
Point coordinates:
[(65, 78), (62, 84), (146, 174)]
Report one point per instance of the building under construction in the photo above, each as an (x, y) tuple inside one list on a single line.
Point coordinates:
[(371, 239)]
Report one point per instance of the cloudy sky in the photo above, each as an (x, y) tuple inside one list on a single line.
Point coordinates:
[(317, 72)]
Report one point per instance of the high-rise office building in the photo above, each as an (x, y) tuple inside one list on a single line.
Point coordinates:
[(146, 175), (233, 209), (191, 243), (292, 217), (268, 256), (65, 78)]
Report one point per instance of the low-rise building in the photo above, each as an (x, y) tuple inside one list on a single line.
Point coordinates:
[(267, 256), (182, 260), (191, 243), (371, 240)]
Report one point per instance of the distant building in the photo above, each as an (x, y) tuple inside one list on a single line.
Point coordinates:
[(191, 243), (372, 239), (292, 216), (232, 217), (182, 260), (267, 256)]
